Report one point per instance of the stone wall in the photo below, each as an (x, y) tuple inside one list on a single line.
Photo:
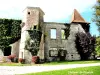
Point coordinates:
[(1, 52), (71, 45), (67, 44), (15, 48), (41, 48), (23, 53), (33, 16), (54, 43)]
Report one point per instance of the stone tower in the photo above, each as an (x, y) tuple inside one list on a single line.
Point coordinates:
[(77, 23), (32, 19)]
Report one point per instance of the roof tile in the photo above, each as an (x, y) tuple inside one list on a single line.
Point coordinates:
[(76, 17)]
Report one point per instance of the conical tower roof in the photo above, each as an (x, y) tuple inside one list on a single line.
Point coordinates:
[(77, 18)]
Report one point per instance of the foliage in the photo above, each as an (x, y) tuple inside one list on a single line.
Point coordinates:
[(21, 60), (97, 14), (12, 57), (93, 70), (32, 44), (98, 46), (9, 31), (67, 31), (85, 44), (97, 20), (35, 59)]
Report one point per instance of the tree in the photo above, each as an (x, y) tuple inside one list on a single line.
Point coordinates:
[(97, 46), (85, 45), (96, 18)]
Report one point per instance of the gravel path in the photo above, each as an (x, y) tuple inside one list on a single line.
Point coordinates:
[(12, 70)]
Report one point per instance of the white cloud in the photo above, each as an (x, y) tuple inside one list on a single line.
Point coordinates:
[(55, 10)]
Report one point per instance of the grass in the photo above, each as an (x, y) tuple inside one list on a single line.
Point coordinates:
[(94, 70), (72, 62), (14, 64), (52, 63)]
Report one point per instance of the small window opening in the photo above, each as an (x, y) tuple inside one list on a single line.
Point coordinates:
[(53, 53), (63, 34), (72, 56), (34, 27), (28, 13)]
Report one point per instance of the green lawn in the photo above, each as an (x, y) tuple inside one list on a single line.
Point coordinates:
[(76, 71), (72, 62), (52, 63), (14, 64)]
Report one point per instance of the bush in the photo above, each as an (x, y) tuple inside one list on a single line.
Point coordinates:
[(11, 57), (21, 60), (35, 59)]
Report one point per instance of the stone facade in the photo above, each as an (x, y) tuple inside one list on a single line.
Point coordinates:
[(62, 47), (15, 48), (1, 52), (54, 44), (71, 46)]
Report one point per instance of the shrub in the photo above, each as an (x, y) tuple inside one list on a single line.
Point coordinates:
[(85, 44), (11, 57), (21, 60), (35, 59)]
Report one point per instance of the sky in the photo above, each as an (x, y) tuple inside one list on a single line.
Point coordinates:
[(55, 10)]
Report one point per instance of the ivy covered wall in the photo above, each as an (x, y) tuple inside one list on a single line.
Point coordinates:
[(10, 31)]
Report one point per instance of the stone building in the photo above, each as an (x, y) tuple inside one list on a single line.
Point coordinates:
[(56, 41)]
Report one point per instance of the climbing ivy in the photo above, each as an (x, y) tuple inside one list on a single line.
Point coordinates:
[(10, 31), (33, 43)]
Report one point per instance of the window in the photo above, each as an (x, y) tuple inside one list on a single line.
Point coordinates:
[(62, 52), (28, 13), (53, 33), (53, 52), (63, 36), (34, 27)]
